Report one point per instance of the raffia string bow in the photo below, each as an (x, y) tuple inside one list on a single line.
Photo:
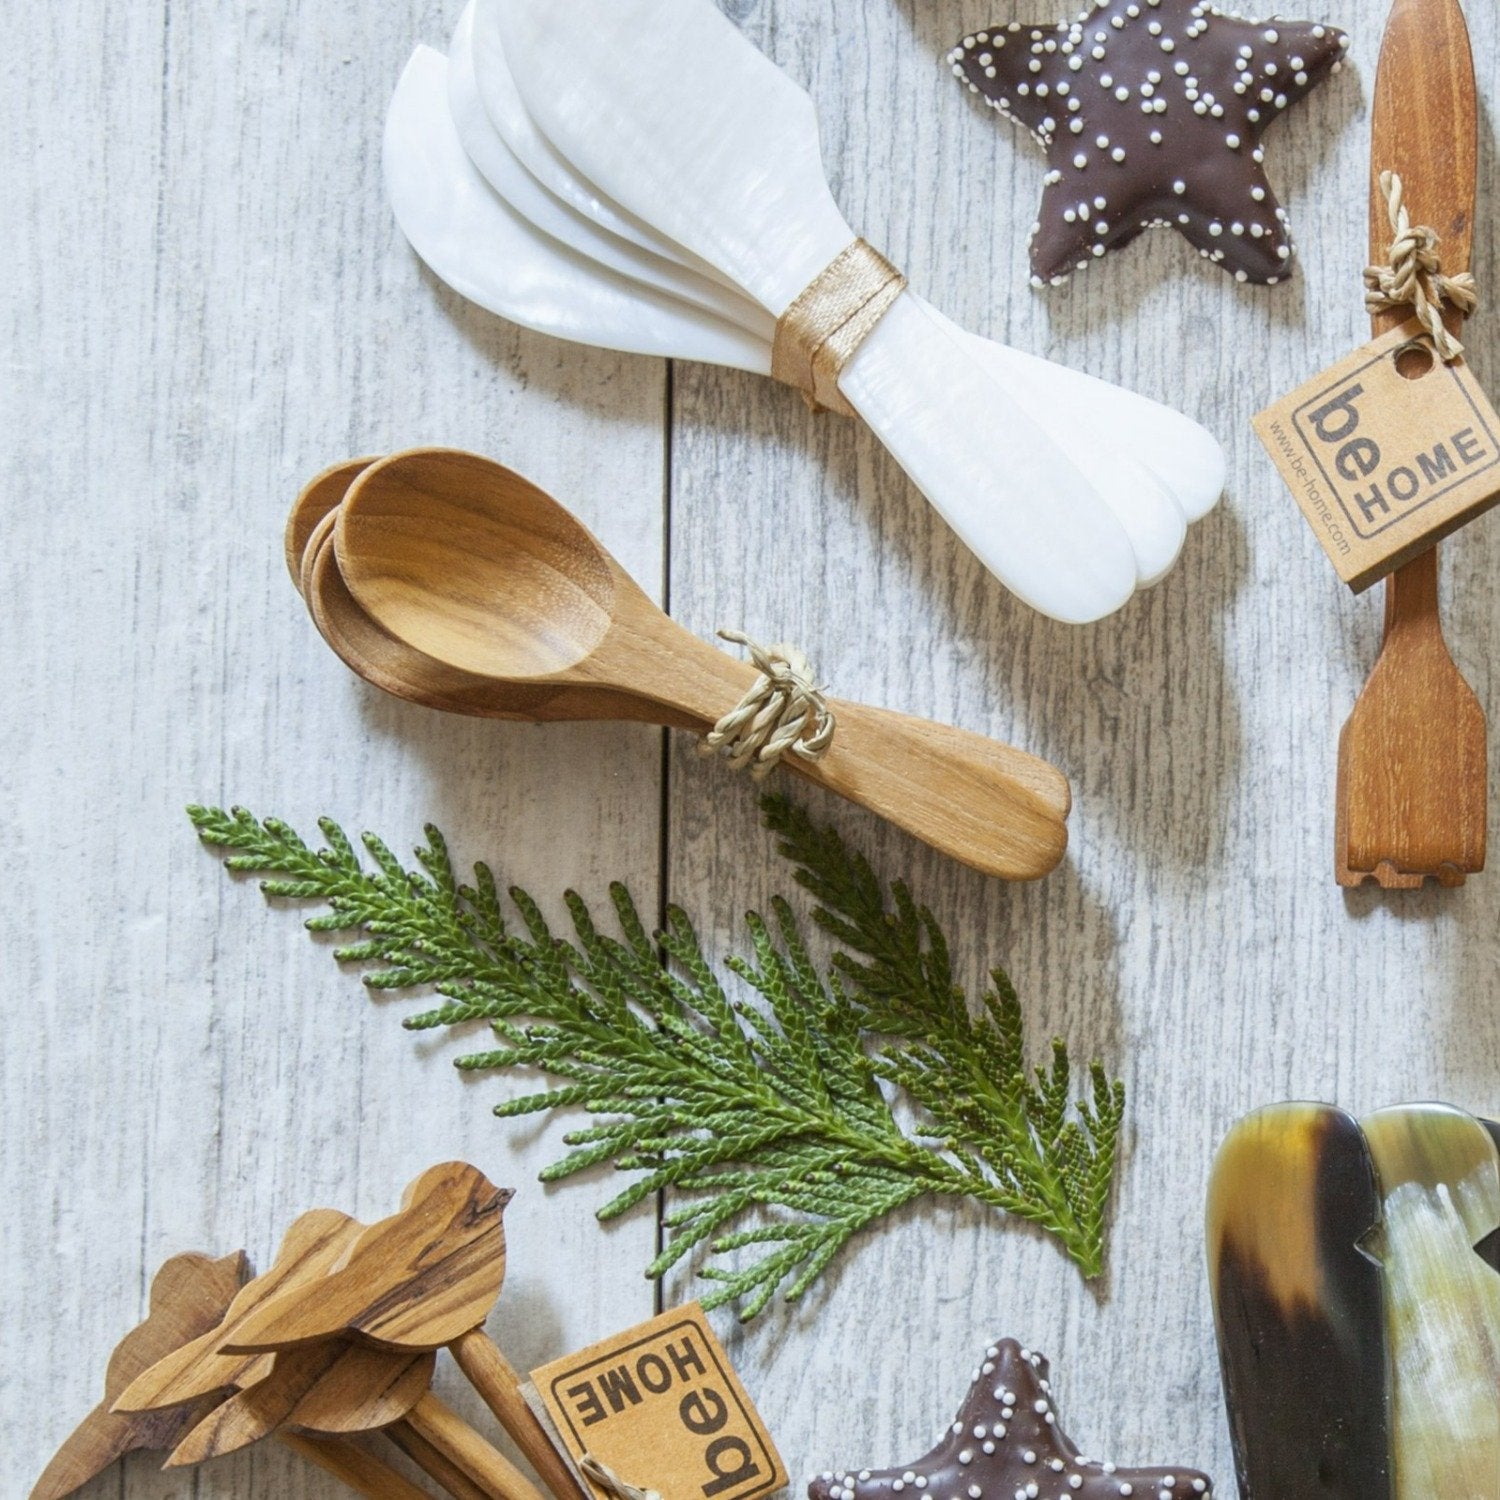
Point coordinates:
[(784, 713), (1414, 277), (607, 1480)]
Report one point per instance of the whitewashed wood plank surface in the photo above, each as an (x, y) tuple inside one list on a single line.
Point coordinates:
[(208, 302)]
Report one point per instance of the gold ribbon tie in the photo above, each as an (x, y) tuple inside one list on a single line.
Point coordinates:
[(823, 329)]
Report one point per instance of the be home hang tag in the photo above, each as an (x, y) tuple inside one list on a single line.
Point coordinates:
[(660, 1408), (1386, 453)]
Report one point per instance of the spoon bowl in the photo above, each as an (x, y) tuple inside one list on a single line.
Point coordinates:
[(375, 655), (527, 593), (320, 497)]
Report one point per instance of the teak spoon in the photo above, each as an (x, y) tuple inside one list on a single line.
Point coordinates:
[(189, 1296), (472, 566), (1412, 782), (391, 665), (425, 1278), (320, 497), (398, 668)]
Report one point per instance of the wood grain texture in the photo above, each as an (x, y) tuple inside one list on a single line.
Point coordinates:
[(309, 1250), (465, 567), (418, 1279), (189, 1294), (1412, 789), (208, 303)]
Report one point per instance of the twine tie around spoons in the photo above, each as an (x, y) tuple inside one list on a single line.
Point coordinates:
[(1414, 276), (784, 713)]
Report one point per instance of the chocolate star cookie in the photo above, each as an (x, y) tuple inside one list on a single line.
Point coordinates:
[(1006, 1445), (1151, 113)]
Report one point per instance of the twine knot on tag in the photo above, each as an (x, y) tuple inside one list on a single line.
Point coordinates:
[(607, 1480), (1414, 276), (784, 713), (823, 329)]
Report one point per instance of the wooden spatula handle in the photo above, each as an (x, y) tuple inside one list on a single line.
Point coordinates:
[(491, 1374), (490, 1469), (362, 1472)]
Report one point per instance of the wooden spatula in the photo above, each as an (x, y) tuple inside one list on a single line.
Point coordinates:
[(425, 1278), (189, 1296), (1411, 801)]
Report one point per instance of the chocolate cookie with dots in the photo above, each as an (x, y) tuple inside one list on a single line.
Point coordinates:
[(1005, 1444), (1151, 113)]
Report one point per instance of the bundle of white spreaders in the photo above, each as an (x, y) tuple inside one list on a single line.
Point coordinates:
[(635, 174)]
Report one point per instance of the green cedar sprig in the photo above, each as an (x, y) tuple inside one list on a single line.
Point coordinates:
[(768, 1120)]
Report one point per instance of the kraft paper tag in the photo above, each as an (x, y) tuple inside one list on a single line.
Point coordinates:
[(1382, 466), (660, 1405)]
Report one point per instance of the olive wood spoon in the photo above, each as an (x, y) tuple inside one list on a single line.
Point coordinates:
[(201, 1367), (425, 1278), (476, 568), (190, 1295), (1412, 779)]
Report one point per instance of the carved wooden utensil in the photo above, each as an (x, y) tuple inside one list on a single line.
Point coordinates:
[(1411, 800), (1001, 811), (425, 1278), (320, 496), (477, 569), (189, 1296), (310, 1249), (325, 1389), (318, 1390)]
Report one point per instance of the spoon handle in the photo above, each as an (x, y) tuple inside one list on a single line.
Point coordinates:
[(362, 1472), (490, 1373), (988, 805), (444, 1430), (994, 808)]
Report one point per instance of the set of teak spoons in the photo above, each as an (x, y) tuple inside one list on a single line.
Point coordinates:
[(339, 1337), (449, 580)]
